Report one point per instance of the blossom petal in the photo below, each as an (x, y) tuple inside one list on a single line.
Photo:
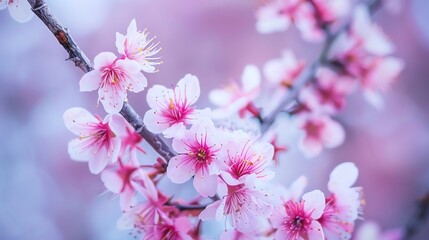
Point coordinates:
[(77, 150), (158, 97), (343, 176), (334, 134), (314, 203), (3, 4), (104, 155), (79, 121), (138, 82), (120, 43), (205, 184), (21, 11), (132, 28), (112, 181), (210, 211), (180, 169), (153, 122), (251, 78), (90, 81), (188, 88), (111, 98), (104, 59), (315, 232)]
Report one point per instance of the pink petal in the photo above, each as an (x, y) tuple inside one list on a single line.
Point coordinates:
[(111, 98), (132, 28), (126, 198), (297, 187), (117, 124), (182, 224), (188, 88), (128, 66), (154, 122), (343, 176), (90, 81), (77, 151), (179, 144), (21, 11), (138, 82), (314, 203), (269, 19), (79, 121), (103, 156), (112, 181), (282, 234), (158, 97), (104, 59), (120, 43), (179, 169), (333, 134), (251, 78), (211, 211), (205, 184), (315, 232), (175, 130)]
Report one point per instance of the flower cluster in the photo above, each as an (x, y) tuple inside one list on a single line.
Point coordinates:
[(232, 168), (20, 10)]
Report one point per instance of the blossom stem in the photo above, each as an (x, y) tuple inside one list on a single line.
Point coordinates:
[(309, 73), (41, 9)]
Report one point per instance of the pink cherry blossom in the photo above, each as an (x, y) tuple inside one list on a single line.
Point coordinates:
[(246, 205), (176, 229), (171, 109), (235, 99), (243, 157), (285, 70), (379, 78), (320, 132), (309, 16), (96, 143), (20, 10), (342, 207), (298, 220), (113, 77), (328, 94), (148, 213), (197, 156), (119, 180), (136, 46)]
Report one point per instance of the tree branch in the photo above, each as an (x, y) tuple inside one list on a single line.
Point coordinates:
[(309, 73), (41, 9)]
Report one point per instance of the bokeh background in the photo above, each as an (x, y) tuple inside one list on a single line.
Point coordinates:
[(45, 195)]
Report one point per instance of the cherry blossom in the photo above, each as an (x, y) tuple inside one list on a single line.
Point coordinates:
[(284, 71), (197, 156), (148, 213), (246, 205), (342, 207), (96, 143), (171, 109), (235, 99), (136, 46), (329, 93), (244, 157), (176, 229), (113, 77), (119, 180), (298, 220), (308, 16), (320, 131), (20, 10)]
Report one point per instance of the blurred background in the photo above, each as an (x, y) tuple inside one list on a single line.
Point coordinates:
[(45, 195)]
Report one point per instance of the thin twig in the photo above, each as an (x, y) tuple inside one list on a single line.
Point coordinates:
[(41, 9)]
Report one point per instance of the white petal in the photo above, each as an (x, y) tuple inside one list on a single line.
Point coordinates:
[(251, 78), (120, 43), (314, 203), (188, 88), (343, 176), (21, 11), (79, 121)]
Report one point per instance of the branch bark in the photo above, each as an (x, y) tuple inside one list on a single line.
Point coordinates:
[(76, 55)]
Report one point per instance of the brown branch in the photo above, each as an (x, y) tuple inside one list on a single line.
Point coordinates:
[(309, 73), (41, 9)]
